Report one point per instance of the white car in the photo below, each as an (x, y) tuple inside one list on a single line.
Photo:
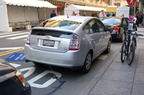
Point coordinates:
[(69, 42)]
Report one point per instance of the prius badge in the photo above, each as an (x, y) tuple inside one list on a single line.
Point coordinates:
[(48, 36)]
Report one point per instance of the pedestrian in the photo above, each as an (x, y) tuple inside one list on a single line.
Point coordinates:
[(84, 14), (113, 14), (122, 15), (135, 19), (73, 13), (53, 14), (139, 18), (95, 15), (58, 13), (102, 15), (135, 22)]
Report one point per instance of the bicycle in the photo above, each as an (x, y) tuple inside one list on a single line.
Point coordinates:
[(128, 48)]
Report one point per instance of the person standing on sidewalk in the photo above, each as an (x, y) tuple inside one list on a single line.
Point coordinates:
[(139, 19), (53, 14), (102, 15)]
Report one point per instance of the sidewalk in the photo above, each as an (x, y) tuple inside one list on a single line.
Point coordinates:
[(117, 78)]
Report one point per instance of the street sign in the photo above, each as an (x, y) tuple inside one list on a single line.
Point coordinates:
[(131, 3), (66, 5), (16, 57)]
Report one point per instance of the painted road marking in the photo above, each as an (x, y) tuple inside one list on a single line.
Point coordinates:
[(15, 65), (13, 38), (30, 71), (32, 81), (11, 51), (9, 48), (102, 57), (9, 33), (13, 35)]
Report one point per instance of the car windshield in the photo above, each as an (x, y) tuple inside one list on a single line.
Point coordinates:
[(61, 24), (112, 21)]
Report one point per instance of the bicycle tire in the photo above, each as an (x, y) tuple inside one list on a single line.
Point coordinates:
[(123, 52), (131, 53)]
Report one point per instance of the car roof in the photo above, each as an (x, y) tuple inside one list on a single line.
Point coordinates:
[(115, 17), (71, 18)]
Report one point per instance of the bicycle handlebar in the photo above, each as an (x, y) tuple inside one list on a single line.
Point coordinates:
[(136, 33)]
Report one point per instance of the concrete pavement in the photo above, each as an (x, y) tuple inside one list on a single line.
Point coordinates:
[(117, 78)]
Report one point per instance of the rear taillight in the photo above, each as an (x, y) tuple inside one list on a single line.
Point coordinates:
[(74, 43), (116, 29), (27, 42)]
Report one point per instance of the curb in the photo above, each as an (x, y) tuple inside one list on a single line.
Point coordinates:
[(98, 76)]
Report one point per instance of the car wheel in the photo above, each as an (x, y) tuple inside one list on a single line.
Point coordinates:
[(87, 64), (37, 64), (108, 47)]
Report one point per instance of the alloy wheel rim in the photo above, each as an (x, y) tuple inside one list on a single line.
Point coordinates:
[(88, 62)]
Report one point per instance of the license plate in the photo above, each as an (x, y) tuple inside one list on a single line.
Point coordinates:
[(48, 43)]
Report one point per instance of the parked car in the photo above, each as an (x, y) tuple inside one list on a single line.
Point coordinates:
[(11, 81), (119, 27), (70, 42)]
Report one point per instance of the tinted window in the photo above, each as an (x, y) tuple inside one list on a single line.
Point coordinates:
[(91, 27), (100, 26), (112, 21), (125, 22), (53, 33), (61, 24)]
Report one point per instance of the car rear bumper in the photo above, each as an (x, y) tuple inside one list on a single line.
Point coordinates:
[(116, 36), (68, 59)]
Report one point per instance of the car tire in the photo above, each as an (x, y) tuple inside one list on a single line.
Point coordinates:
[(108, 47), (87, 64), (37, 64)]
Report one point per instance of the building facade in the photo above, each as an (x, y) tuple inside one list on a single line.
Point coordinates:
[(61, 4)]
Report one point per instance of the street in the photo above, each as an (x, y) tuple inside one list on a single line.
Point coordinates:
[(46, 80)]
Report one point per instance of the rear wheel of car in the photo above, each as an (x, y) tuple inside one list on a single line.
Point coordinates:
[(37, 64), (108, 47), (87, 64)]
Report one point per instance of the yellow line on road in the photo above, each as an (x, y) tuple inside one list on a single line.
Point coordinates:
[(11, 51)]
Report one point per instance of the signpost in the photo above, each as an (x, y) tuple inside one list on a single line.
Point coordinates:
[(131, 4)]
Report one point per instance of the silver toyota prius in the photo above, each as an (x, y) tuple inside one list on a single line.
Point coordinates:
[(68, 41)]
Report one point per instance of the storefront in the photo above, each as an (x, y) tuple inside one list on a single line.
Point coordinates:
[(27, 13), (60, 5)]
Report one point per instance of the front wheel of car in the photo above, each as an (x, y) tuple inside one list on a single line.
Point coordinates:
[(87, 64)]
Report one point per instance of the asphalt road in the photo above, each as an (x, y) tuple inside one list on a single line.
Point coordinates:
[(46, 80)]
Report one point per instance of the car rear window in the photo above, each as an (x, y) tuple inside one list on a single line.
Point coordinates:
[(112, 21), (53, 33), (61, 24)]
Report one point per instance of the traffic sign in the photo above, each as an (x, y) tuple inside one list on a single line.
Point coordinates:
[(131, 3)]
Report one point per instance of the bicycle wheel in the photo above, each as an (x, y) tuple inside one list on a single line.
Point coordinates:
[(123, 52), (131, 53)]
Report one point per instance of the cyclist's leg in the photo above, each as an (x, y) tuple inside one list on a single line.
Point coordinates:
[(131, 52)]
